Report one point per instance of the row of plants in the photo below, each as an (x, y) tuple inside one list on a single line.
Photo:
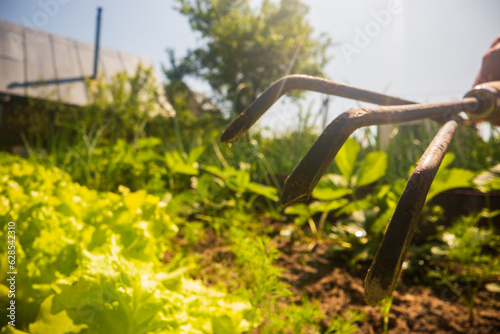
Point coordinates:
[(127, 229), (90, 261)]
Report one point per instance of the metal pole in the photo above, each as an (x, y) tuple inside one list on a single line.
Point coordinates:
[(97, 37)]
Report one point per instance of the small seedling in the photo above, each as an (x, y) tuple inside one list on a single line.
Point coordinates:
[(385, 309)]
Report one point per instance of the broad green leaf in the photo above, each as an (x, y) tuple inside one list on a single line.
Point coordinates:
[(495, 184), (346, 158), (215, 170), (146, 156), (239, 181), (266, 191), (379, 225), (148, 142), (135, 200), (195, 154), (447, 160), (183, 168), (450, 179), (330, 194), (209, 186), (359, 205), (299, 209), (176, 164), (58, 323), (333, 180), (302, 211), (223, 325), (372, 168), (317, 207)]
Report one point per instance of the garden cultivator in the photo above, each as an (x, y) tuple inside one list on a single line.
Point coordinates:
[(481, 103)]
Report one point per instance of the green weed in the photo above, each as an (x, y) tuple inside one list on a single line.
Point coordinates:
[(347, 324), (471, 255), (261, 279)]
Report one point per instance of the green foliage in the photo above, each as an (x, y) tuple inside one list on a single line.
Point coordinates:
[(122, 116), (126, 103), (247, 48), (488, 180), (346, 158), (262, 285), (449, 178), (360, 221), (480, 153), (372, 168), (347, 324), (139, 165), (295, 141), (338, 194), (262, 280), (293, 318), (90, 262), (195, 115), (471, 254), (471, 152)]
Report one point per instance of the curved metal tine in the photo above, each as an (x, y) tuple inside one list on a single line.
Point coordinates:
[(306, 175), (250, 115), (383, 274)]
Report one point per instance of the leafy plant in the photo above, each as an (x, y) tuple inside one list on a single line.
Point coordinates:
[(471, 255), (356, 217), (347, 324), (293, 318), (486, 182), (90, 262), (262, 279), (449, 178)]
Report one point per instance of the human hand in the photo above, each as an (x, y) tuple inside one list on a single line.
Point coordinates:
[(490, 69)]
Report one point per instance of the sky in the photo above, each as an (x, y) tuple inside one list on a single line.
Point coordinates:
[(425, 50)]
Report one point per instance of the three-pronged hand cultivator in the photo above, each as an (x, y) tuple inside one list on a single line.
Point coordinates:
[(482, 103)]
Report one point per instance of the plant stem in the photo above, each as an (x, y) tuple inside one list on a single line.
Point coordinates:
[(385, 309)]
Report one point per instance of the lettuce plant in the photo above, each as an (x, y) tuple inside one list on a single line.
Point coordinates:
[(90, 262)]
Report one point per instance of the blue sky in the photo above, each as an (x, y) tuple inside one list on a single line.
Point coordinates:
[(426, 50)]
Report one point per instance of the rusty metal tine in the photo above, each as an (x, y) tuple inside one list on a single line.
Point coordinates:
[(308, 172), (384, 270), (250, 115)]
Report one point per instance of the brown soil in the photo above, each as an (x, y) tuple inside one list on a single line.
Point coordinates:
[(310, 270), (414, 310)]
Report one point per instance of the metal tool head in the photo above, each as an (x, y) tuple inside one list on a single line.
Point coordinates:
[(483, 102), (489, 95)]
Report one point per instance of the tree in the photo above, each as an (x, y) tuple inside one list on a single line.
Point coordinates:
[(248, 48)]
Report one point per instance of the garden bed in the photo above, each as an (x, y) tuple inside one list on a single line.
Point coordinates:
[(311, 270)]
